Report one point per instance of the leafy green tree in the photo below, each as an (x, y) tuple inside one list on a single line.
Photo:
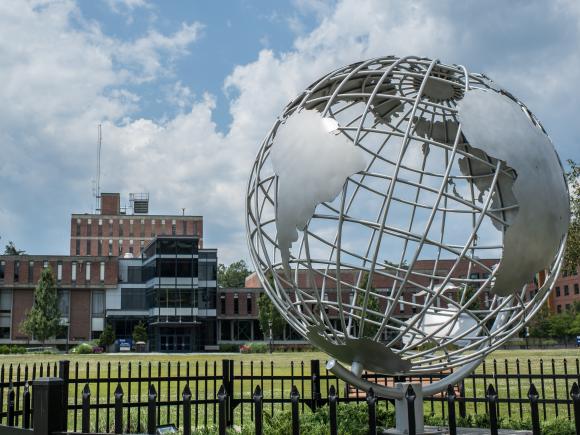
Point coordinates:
[(267, 313), (140, 332), (540, 324), (233, 275), (43, 319), (574, 329), (11, 249), (107, 337), (559, 326), (572, 256)]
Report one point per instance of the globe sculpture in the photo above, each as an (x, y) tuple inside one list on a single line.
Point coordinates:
[(375, 176)]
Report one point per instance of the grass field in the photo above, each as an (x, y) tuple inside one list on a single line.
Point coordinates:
[(116, 366)]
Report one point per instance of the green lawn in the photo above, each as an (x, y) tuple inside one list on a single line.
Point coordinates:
[(113, 366)]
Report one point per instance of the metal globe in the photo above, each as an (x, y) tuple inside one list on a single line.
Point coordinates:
[(375, 176)]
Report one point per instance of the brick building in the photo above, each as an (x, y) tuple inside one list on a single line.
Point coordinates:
[(112, 232)]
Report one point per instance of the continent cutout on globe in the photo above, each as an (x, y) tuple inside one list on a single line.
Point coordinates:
[(497, 126), (312, 161)]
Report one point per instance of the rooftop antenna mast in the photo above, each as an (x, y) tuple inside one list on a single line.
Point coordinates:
[(98, 186)]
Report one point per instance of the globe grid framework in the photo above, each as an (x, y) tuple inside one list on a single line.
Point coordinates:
[(450, 168)]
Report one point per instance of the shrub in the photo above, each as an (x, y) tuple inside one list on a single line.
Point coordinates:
[(83, 348), (17, 349), (229, 347), (4, 349), (558, 426), (256, 347)]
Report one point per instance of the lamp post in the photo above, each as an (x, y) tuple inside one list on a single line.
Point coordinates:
[(271, 335)]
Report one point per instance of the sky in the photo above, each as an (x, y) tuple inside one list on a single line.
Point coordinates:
[(186, 90)]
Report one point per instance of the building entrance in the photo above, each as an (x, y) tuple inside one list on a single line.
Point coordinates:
[(175, 340)]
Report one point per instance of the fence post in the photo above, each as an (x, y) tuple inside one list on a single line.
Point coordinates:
[(462, 405), (86, 410), (315, 383), (492, 400), (451, 405), (186, 395), (222, 399), (534, 396), (10, 405), (372, 405), (118, 409), (50, 411), (63, 373), (294, 398), (332, 399), (151, 411), (575, 394), (258, 410), (26, 406), (410, 397)]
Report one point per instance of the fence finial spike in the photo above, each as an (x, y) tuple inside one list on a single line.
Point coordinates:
[(332, 391), (119, 390), (575, 391), (491, 390), (450, 391), (186, 392), (533, 392), (86, 390), (152, 391), (410, 393), (257, 391), (222, 391)]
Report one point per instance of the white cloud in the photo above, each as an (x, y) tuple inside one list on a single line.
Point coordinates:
[(61, 76)]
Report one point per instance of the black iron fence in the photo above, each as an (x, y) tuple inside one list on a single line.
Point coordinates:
[(132, 397)]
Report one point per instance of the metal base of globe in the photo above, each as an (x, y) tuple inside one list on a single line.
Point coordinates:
[(402, 410)]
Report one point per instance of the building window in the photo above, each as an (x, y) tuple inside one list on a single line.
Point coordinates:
[(120, 247), (567, 307), (63, 302), (45, 264), (78, 247), (73, 275), (59, 271), (236, 304), (88, 271), (142, 227), (153, 227), (576, 289), (2, 267), (173, 228), (559, 309), (162, 227), (120, 227), (249, 303), (223, 304), (557, 291), (98, 303), (5, 310), (100, 233), (110, 227), (566, 291), (131, 246), (141, 244), (131, 228), (31, 271), (16, 271), (89, 228), (78, 231), (100, 248), (184, 227), (88, 247), (110, 247), (102, 271)]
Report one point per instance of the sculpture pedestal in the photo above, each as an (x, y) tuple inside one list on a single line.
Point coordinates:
[(402, 412)]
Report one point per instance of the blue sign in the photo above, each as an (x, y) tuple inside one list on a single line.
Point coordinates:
[(578, 340)]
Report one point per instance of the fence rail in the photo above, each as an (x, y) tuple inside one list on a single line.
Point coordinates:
[(99, 397)]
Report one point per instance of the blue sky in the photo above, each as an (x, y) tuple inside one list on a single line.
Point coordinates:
[(186, 90)]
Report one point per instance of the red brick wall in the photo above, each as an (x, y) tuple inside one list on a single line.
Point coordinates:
[(80, 316), (21, 303)]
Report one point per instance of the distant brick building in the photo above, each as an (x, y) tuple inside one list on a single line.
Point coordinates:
[(114, 233)]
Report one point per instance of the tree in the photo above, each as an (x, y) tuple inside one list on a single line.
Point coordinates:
[(11, 249), (107, 337), (43, 319), (267, 313), (540, 324), (559, 326), (233, 275), (140, 332), (572, 255)]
